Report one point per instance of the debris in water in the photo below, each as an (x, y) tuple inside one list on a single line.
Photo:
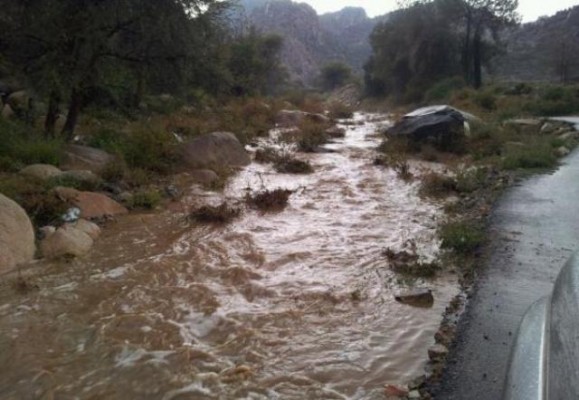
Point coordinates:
[(270, 200), (221, 214), (416, 298)]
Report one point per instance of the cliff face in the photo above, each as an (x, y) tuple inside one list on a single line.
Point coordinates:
[(545, 50), (310, 41)]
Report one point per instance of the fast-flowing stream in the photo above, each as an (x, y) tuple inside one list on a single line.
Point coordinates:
[(290, 305)]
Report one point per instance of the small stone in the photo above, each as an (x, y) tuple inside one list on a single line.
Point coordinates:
[(566, 135), (437, 352), (562, 151), (46, 231), (415, 394), (395, 391), (547, 127)]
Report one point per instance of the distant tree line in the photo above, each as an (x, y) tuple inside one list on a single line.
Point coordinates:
[(427, 41), (113, 53)]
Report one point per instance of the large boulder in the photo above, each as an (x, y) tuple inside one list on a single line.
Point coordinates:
[(41, 171), (16, 235), (79, 157), (91, 205), (441, 125), (67, 241), (289, 118), (215, 150)]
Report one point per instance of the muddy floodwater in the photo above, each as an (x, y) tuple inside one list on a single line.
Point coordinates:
[(290, 305)]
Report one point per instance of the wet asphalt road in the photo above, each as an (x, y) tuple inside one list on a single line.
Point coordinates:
[(534, 229)]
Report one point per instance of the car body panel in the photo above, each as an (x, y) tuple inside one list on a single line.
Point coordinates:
[(544, 362)]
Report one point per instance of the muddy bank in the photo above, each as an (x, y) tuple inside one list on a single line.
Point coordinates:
[(294, 304)]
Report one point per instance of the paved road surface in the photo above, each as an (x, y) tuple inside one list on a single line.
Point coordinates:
[(535, 228)]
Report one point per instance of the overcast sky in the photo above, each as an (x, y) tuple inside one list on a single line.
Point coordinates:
[(529, 9)]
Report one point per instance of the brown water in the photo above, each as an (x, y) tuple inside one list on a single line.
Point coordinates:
[(293, 305)]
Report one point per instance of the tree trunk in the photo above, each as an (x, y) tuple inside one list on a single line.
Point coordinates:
[(73, 113), (52, 114), (466, 50), (140, 89), (477, 59)]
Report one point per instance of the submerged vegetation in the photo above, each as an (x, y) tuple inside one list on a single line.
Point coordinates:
[(269, 200)]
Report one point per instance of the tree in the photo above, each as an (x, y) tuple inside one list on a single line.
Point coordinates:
[(483, 19), (254, 64), (334, 75), (416, 47), (72, 49), (480, 22)]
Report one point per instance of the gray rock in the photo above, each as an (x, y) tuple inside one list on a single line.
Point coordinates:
[(17, 244), (415, 394), (215, 150), (417, 298), (548, 127), (569, 135), (41, 171), (437, 352), (562, 151), (525, 125), (77, 157)]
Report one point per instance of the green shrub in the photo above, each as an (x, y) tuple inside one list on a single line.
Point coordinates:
[(312, 135), (437, 185), (150, 148), (147, 199), (462, 237), (340, 111), (531, 156), (42, 205), (486, 99), (72, 182), (23, 147), (444, 88)]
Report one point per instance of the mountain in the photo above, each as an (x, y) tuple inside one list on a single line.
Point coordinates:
[(310, 40), (544, 50)]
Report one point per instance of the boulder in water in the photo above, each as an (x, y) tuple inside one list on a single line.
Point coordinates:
[(215, 150)]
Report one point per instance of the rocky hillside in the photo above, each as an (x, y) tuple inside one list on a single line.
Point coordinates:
[(310, 40), (545, 50)]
